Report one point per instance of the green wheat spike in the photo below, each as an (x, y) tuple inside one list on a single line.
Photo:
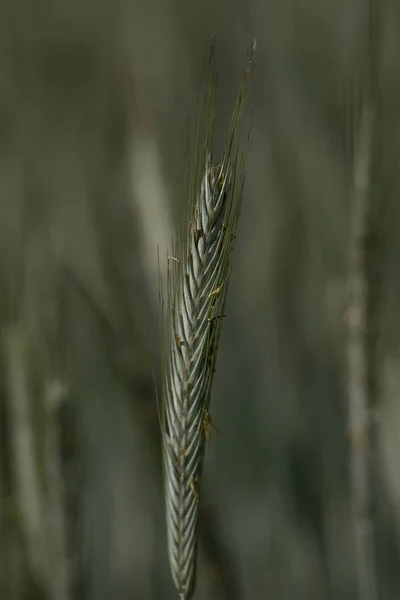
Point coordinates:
[(192, 316)]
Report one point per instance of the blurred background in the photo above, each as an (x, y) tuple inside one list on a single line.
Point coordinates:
[(95, 100)]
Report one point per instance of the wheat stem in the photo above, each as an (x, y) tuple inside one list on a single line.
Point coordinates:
[(28, 490), (359, 330)]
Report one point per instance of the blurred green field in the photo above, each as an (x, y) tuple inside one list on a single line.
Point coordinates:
[(95, 101)]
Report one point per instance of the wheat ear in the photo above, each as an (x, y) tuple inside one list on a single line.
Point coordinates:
[(198, 277)]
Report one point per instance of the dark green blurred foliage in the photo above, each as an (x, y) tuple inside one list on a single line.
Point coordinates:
[(94, 100)]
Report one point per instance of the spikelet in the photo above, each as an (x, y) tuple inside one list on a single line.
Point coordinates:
[(192, 317)]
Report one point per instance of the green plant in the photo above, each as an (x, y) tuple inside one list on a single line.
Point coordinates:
[(192, 318)]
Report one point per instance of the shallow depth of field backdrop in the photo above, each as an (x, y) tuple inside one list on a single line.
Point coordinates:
[(95, 99)]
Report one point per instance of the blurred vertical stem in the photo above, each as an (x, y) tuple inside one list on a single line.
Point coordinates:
[(39, 499), (359, 315), (28, 492), (59, 576)]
